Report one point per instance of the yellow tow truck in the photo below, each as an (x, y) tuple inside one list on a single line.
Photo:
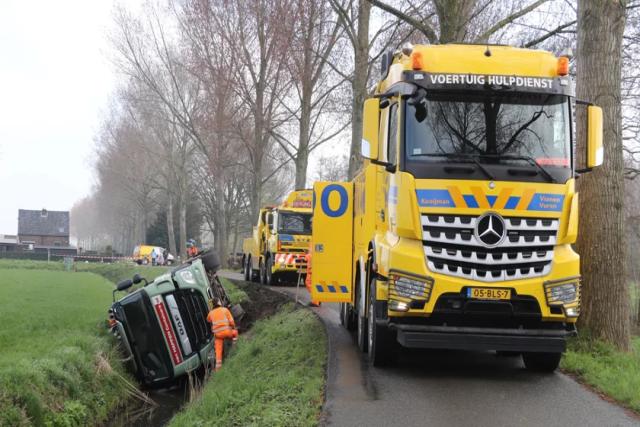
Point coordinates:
[(457, 231), (276, 251)]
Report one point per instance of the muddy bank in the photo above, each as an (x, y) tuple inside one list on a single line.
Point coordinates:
[(261, 303)]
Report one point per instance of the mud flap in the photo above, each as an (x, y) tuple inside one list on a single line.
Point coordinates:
[(332, 242)]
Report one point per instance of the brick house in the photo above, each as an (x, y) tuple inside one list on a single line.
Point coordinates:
[(43, 228)]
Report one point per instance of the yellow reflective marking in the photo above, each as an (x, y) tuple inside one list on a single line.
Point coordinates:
[(456, 195), (525, 199), (483, 203), (502, 198)]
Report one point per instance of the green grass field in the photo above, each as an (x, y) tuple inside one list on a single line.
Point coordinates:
[(274, 377), (114, 272), (611, 372), (56, 363)]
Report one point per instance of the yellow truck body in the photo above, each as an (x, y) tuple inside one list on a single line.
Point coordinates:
[(276, 251), (457, 231)]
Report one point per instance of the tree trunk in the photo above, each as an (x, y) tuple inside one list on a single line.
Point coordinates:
[(453, 17), (258, 152), (302, 155), (235, 237), (223, 240), (601, 241), (183, 228), (171, 233), (359, 84)]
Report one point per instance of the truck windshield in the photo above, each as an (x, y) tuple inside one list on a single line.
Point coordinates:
[(294, 223), (513, 136)]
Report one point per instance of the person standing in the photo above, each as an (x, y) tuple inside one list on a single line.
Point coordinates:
[(307, 280), (154, 257), (223, 327), (159, 258)]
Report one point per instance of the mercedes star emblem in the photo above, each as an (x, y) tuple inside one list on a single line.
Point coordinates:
[(490, 229)]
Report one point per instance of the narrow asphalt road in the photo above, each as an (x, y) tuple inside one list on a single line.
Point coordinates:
[(449, 388)]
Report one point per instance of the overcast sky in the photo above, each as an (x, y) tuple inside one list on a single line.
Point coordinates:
[(55, 80)]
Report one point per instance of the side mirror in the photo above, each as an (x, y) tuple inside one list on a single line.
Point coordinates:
[(595, 150), (125, 284), (136, 279), (370, 128)]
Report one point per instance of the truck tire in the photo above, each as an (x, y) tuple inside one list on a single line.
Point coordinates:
[(270, 278), (346, 317), (246, 266), (541, 362), (381, 342), (262, 273), (211, 261), (361, 326)]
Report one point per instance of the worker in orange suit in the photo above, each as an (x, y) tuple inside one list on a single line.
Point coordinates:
[(307, 280), (223, 327)]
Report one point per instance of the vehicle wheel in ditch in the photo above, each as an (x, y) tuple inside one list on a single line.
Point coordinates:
[(381, 342), (541, 362)]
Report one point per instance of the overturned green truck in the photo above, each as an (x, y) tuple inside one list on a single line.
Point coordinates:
[(162, 328)]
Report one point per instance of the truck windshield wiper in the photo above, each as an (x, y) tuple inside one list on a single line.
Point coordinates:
[(470, 157), (527, 159)]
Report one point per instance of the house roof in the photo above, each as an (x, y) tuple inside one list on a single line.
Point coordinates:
[(4, 240), (43, 223)]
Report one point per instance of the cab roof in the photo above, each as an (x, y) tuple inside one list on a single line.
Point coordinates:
[(468, 59)]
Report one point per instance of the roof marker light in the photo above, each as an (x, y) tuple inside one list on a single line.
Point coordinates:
[(563, 66), (416, 60)]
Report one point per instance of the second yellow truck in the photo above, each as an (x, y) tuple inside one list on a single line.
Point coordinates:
[(276, 251)]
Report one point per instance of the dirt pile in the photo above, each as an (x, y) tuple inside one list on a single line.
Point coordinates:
[(262, 303)]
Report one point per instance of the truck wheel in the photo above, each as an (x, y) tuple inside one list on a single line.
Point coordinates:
[(381, 343), (541, 362), (261, 273), (346, 316), (271, 279), (361, 326), (247, 269)]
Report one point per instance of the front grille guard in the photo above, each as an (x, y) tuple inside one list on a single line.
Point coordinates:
[(451, 248)]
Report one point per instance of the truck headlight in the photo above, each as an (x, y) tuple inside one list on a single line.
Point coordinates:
[(564, 292), (411, 288), (398, 306), (187, 276)]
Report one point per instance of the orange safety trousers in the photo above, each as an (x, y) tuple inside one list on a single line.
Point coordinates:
[(223, 327), (307, 279), (219, 344)]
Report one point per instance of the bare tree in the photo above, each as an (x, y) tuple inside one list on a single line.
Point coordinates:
[(602, 238), (315, 35)]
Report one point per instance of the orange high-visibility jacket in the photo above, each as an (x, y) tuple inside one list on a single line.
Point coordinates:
[(221, 320)]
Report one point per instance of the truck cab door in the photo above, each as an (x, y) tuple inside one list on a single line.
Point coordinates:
[(332, 242)]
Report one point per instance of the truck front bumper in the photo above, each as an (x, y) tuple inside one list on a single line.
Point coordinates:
[(482, 339)]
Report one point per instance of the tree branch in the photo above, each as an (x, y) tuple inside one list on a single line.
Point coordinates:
[(508, 20)]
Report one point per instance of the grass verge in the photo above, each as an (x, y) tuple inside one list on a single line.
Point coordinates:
[(57, 366), (235, 294), (609, 371), (274, 376)]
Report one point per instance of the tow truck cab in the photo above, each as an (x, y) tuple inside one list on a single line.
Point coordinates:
[(457, 231)]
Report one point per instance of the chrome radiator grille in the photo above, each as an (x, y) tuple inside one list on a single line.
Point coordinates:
[(452, 246)]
